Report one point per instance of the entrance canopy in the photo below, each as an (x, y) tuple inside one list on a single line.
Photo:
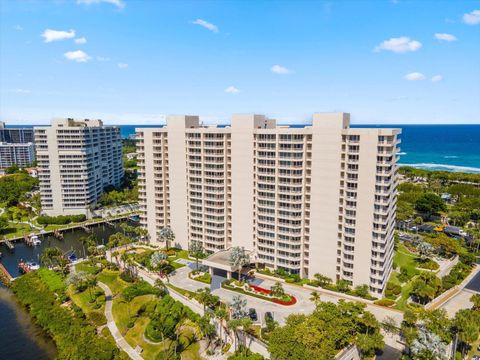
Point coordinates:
[(221, 260)]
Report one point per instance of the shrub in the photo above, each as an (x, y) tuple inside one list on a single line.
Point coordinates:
[(384, 302), (138, 289), (226, 347), (61, 219), (289, 280), (127, 276)]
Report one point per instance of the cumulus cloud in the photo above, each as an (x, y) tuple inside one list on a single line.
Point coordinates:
[(414, 76), (278, 69), (122, 65), (206, 25), (78, 56), (445, 37), (472, 18), (232, 90), (401, 44), (80, 41), (118, 3), (437, 78), (50, 35)]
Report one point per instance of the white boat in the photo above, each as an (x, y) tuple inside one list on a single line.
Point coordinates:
[(35, 240), (33, 265)]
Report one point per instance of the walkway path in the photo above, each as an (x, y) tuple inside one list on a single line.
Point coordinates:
[(117, 336)]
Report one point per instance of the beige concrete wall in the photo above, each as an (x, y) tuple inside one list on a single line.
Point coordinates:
[(242, 178), (176, 126), (150, 183), (325, 190), (365, 206)]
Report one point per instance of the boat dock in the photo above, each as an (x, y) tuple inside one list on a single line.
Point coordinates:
[(5, 276), (58, 233), (9, 245)]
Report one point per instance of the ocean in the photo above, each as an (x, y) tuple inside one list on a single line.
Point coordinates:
[(435, 147)]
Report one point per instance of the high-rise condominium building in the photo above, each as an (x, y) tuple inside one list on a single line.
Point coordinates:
[(76, 160), (16, 135), (16, 154), (314, 199)]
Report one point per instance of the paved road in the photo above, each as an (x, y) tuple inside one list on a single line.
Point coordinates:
[(280, 312), (121, 342), (474, 284)]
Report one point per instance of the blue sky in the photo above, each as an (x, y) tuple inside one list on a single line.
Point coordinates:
[(132, 61)]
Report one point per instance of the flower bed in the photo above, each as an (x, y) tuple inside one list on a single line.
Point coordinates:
[(259, 292)]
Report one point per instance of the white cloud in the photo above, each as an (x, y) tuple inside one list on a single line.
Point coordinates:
[(206, 25), (118, 3), (415, 76), (472, 18), (80, 41), (445, 37), (20, 91), (101, 58), (122, 65), (78, 56), (277, 69), (232, 90), (18, 27), (50, 35), (401, 44), (437, 78)]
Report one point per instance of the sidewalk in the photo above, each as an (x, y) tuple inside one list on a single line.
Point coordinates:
[(117, 336)]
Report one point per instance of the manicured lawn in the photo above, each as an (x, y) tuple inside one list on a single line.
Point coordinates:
[(82, 300), (122, 312), (405, 259), (135, 337), (184, 292), (52, 279), (86, 268), (15, 230), (112, 279)]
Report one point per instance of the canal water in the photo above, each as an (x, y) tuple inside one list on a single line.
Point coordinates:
[(20, 337)]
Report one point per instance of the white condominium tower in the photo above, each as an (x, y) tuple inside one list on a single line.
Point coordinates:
[(312, 199), (76, 160)]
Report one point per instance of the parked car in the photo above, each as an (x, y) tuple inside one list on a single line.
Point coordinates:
[(253, 314)]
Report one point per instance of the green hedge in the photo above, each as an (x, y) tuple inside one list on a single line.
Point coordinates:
[(74, 336), (61, 219)]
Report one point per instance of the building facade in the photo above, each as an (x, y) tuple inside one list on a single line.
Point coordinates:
[(16, 154), (16, 135), (314, 199), (76, 160)]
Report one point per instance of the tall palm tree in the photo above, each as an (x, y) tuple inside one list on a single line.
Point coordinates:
[(221, 314), (315, 298), (52, 256), (166, 234), (160, 285)]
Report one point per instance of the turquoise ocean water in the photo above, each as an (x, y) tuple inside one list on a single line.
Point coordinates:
[(438, 147)]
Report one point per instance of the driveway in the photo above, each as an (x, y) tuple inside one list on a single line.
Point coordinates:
[(280, 312)]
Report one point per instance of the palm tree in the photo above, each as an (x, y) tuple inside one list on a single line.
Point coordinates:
[(239, 258), (247, 328), (84, 240), (277, 289), (91, 282), (160, 285), (52, 256), (166, 234), (315, 298), (206, 298), (233, 326), (196, 249), (221, 314)]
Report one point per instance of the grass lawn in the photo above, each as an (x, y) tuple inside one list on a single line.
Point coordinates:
[(82, 300), (122, 311), (15, 230), (192, 352), (135, 337), (112, 279), (52, 279), (403, 258), (86, 268)]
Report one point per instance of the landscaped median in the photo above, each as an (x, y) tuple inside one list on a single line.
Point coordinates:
[(275, 294), (201, 276)]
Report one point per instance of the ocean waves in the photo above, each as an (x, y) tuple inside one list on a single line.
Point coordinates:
[(444, 167)]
